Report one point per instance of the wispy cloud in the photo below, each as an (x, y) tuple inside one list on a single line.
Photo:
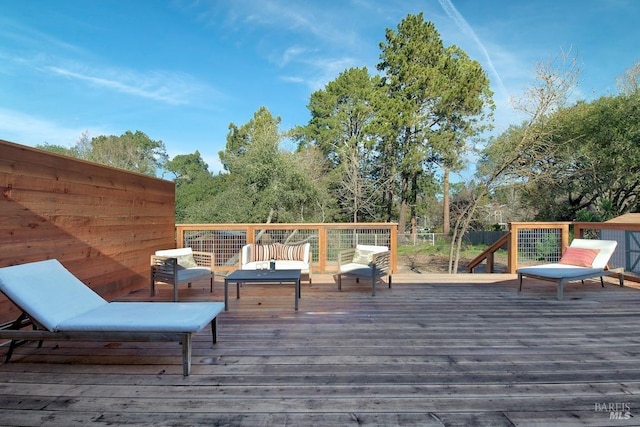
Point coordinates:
[(166, 87), (26, 129), (46, 54), (464, 26), (324, 71)]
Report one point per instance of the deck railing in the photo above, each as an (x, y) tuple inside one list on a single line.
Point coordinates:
[(327, 239)]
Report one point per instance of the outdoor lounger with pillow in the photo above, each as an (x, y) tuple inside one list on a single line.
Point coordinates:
[(60, 307), (583, 259)]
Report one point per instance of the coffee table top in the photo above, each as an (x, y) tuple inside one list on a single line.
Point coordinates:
[(264, 275)]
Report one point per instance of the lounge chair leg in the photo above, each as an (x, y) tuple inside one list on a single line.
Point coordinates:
[(560, 290), (214, 329), (389, 281), (373, 286), (186, 354), (339, 281)]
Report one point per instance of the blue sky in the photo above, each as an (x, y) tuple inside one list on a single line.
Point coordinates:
[(182, 70)]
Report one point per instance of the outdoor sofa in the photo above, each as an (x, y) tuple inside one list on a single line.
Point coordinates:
[(256, 256)]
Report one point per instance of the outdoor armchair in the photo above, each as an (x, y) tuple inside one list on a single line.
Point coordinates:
[(366, 261), (183, 265)]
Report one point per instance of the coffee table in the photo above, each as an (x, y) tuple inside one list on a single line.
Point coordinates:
[(261, 276)]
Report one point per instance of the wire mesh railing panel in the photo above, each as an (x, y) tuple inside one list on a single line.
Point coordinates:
[(341, 239), (539, 246), (224, 244), (225, 241)]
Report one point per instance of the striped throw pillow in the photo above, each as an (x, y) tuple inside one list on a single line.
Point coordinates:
[(262, 252)]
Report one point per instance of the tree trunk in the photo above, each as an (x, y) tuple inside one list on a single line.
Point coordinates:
[(404, 205), (446, 224)]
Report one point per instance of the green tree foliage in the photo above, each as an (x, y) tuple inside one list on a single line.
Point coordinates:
[(133, 151), (438, 98), (266, 184), (343, 126), (595, 171), (577, 162), (58, 149), (195, 187)]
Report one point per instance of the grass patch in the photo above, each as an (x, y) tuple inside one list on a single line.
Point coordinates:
[(441, 248)]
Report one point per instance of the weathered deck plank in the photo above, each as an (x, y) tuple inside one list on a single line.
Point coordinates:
[(433, 351)]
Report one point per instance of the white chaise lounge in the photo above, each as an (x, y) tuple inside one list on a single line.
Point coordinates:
[(583, 259), (58, 306)]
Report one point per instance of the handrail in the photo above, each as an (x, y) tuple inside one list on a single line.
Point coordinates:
[(488, 254)]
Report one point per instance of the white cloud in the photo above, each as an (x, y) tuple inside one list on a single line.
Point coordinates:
[(166, 87), (25, 129)]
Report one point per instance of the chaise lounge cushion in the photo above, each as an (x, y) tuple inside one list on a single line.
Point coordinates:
[(63, 303), (147, 317), (48, 301)]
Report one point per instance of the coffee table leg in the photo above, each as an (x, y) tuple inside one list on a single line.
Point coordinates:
[(297, 293), (237, 290), (226, 295)]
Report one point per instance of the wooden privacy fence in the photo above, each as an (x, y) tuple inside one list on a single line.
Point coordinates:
[(101, 223), (327, 240)]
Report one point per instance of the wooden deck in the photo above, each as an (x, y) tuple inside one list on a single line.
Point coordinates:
[(436, 350)]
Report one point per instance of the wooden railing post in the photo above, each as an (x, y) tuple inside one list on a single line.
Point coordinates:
[(512, 250), (394, 248), (322, 247), (564, 237)]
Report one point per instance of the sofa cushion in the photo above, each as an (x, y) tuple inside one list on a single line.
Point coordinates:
[(280, 265)]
